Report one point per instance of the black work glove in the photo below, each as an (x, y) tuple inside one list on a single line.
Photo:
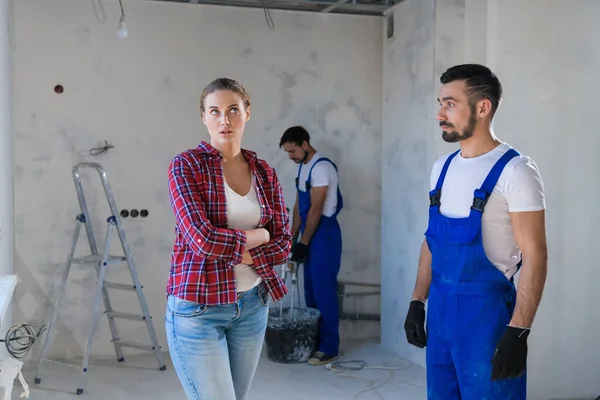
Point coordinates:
[(510, 357), (299, 252), (415, 324)]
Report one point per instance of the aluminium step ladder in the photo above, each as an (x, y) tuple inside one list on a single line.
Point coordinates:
[(100, 261)]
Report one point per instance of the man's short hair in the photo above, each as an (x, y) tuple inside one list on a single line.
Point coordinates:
[(295, 134), (480, 81)]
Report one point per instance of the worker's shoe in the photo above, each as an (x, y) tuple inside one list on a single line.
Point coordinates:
[(320, 358)]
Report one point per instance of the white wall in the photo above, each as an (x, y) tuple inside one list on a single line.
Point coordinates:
[(550, 112), (7, 239), (408, 150), (546, 55), (141, 94)]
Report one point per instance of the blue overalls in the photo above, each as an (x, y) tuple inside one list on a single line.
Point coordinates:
[(322, 266), (470, 302)]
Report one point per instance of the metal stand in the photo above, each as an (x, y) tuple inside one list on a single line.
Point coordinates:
[(100, 261), (291, 268)]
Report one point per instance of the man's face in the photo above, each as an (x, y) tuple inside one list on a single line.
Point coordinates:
[(457, 116), (296, 153)]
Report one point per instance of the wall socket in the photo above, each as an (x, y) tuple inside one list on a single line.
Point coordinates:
[(134, 213)]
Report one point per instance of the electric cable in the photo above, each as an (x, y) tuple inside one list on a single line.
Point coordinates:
[(97, 4), (268, 17), (339, 366), (20, 338), (101, 150)]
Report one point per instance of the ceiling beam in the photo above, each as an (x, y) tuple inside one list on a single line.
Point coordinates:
[(334, 6)]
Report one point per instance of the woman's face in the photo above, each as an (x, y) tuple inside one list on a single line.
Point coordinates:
[(225, 116)]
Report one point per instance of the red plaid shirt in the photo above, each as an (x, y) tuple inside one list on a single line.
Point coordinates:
[(205, 250)]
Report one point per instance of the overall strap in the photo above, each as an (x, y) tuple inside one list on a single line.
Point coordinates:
[(340, 200), (308, 185), (481, 195), (436, 194), (298, 177)]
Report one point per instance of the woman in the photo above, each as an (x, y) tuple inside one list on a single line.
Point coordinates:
[(232, 229)]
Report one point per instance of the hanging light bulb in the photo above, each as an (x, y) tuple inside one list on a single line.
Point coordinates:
[(122, 31)]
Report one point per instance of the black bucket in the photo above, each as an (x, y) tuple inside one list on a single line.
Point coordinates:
[(291, 336)]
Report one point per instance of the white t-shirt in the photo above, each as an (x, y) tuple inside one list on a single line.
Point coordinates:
[(520, 188), (324, 174), (243, 212)]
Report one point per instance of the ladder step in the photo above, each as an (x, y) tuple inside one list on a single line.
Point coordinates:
[(134, 345), (117, 314), (95, 259), (100, 262), (120, 286)]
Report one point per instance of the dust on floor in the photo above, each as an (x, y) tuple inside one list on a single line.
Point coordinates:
[(137, 378)]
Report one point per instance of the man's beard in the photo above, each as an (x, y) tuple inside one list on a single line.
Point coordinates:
[(300, 161), (454, 136)]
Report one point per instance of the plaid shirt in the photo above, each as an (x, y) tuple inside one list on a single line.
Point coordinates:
[(206, 252)]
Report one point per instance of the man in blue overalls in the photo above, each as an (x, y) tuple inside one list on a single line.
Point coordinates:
[(486, 219), (318, 204)]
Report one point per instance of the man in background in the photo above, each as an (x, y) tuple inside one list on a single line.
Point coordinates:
[(319, 248)]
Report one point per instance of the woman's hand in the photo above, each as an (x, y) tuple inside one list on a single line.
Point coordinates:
[(257, 237), (247, 259), (267, 235)]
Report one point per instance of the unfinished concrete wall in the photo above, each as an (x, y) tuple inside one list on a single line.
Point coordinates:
[(7, 242), (408, 149), (545, 54), (141, 95), (549, 60)]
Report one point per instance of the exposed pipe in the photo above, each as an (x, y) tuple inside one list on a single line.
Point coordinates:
[(355, 316), (359, 316), (359, 294), (348, 283)]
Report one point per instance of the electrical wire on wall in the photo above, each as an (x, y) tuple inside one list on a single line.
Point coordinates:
[(122, 31), (268, 17), (97, 4), (96, 151), (20, 338)]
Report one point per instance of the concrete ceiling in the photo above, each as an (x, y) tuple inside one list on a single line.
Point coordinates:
[(360, 7)]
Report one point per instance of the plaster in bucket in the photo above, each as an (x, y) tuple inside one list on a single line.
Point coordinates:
[(9, 369), (292, 334)]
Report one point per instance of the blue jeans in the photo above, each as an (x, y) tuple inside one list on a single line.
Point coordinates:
[(215, 349)]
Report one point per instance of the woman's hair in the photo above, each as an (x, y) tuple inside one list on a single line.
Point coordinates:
[(227, 85)]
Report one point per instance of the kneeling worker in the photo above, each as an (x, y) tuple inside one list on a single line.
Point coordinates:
[(318, 203)]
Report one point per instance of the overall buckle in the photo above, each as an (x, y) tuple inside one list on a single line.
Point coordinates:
[(434, 198), (478, 202)]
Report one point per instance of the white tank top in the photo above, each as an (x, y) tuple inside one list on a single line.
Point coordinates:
[(243, 212)]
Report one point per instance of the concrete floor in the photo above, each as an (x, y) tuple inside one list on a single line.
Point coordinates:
[(139, 379)]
